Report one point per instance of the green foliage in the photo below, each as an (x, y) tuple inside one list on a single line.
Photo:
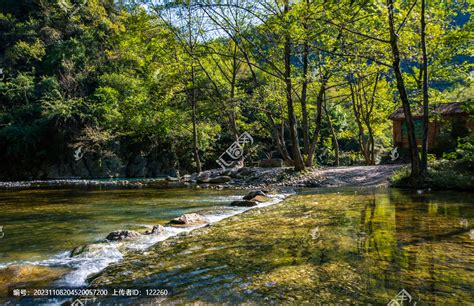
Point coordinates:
[(454, 171), (463, 156), (122, 80)]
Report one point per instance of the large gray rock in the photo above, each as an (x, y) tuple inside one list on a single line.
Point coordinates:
[(202, 178), (271, 163), (219, 179), (243, 203), (186, 178), (188, 219), (121, 235)]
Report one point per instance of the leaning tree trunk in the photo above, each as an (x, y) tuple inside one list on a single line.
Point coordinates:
[(297, 158), (415, 159), (197, 160), (424, 148)]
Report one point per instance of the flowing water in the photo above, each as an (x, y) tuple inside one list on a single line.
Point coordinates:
[(320, 245), (41, 227)]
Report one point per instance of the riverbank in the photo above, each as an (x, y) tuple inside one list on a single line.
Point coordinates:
[(241, 178), (442, 175)]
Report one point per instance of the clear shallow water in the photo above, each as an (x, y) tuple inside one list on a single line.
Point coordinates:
[(326, 245), (41, 227), (41, 223), (342, 246)]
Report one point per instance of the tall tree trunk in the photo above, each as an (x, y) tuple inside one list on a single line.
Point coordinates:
[(357, 108), (369, 108), (371, 144), (298, 159), (279, 137), (304, 89), (317, 130), (197, 160), (334, 136), (319, 101), (233, 123), (415, 159), (424, 149), (281, 133)]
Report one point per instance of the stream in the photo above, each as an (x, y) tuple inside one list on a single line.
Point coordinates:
[(330, 245)]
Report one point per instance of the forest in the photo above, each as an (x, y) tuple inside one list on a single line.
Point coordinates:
[(103, 88)]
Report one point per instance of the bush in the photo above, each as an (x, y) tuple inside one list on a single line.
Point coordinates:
[(454, 171), (463, 156)]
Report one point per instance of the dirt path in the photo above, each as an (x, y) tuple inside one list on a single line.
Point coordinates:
[(252, 178), (351, 176)]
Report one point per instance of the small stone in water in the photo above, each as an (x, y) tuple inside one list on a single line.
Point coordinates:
[(155, 230), (188, 219), (120, 235)]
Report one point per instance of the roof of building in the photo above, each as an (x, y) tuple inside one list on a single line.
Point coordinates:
[(440, 108)]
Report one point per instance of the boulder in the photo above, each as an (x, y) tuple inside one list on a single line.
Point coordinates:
[(219, 179), (243, 203), (121, 235), (188, 219), (253, 194), (186, 178), (155, 230), (202, 179), (260, 198), (271, 163), (28, 276)]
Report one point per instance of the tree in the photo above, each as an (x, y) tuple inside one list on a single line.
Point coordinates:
[(415, 159), (298, 159)]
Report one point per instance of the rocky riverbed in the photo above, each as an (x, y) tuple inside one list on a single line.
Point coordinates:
[(70, 268), (238, 178), (338, 246)]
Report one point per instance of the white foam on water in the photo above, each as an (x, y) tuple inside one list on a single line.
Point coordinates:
[(98, 256), (217, 198)]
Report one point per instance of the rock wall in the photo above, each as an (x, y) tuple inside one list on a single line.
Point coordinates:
[(88, 167)]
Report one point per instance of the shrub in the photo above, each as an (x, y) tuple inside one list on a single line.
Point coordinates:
[(454, 171)]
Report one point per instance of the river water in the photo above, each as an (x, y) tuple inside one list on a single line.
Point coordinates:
[(41, 227), (330, 245)]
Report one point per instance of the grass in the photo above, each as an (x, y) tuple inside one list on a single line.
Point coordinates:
[(442, 174)]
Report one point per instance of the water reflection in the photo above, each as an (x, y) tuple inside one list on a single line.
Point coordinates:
[(38, 224), (370, 244)]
